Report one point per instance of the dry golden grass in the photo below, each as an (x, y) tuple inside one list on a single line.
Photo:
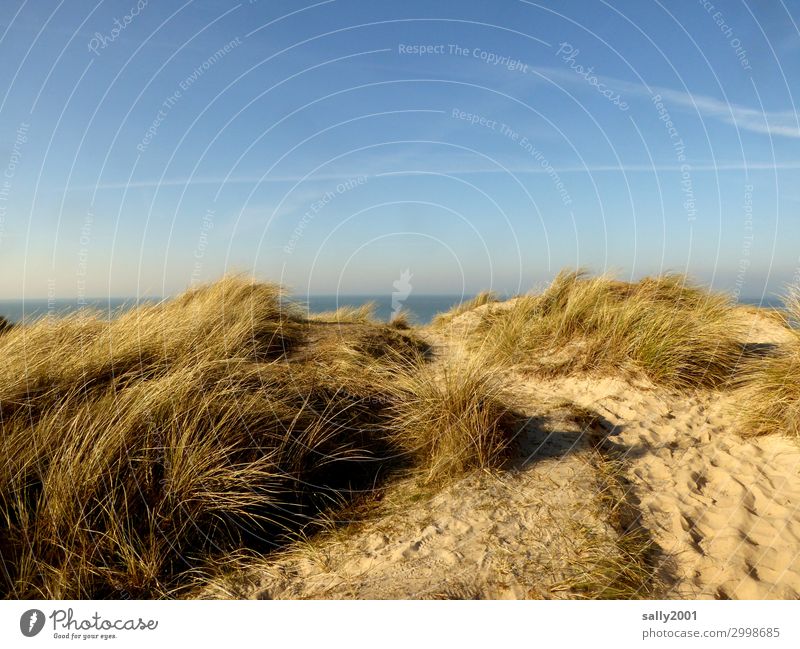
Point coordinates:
[(453, 417), (5, 325), (484, 297), (677, 334), (403, 319), (770, 385), (350, 314), (136, 452)]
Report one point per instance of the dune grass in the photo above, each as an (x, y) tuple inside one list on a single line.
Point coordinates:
[(362, 314), (484, 297), (677, 334), (137, 451), (5, 325), (402, 319), (770, 385), (454, 417)]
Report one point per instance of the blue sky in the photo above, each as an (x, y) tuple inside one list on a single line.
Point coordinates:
[(333, 145)]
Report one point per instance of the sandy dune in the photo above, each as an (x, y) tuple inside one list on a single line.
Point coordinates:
[(720, 509), (725, 508)]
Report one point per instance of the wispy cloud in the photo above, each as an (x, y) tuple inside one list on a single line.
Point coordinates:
[(783, 123), (625, 168), (211, 180), (780, 123), (453, 171)]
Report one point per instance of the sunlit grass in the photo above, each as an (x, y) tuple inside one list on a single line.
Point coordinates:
[(677, 334), (484, 297), (137, 450), (770, 386)]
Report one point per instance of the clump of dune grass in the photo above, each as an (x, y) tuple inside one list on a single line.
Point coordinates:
[(677, 334), (364, 313), (770, 385), (484, 297), (453, 417), (402, 319), (5, 325), (138, 451)]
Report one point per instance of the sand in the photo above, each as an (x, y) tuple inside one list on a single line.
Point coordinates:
[(719, 510), (723, 507)]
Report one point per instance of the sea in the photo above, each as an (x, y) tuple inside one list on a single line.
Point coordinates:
[(421, 307)]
